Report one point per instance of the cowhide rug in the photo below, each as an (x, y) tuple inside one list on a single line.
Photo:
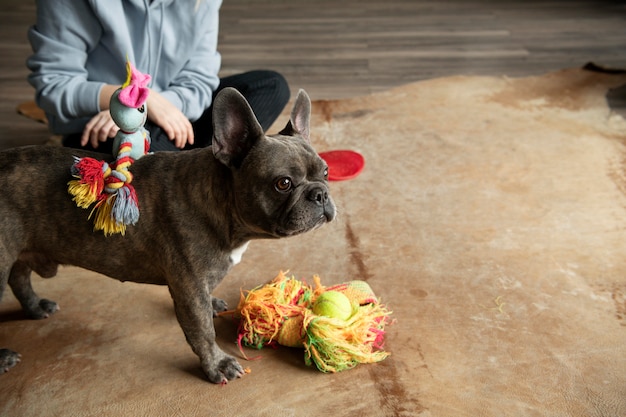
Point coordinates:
[(490, 217)]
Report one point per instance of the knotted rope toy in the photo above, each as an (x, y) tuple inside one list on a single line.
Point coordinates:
[(282, 312), (108, 186)]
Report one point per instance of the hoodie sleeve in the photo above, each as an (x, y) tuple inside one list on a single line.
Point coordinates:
[(191, 88), (58, 73)]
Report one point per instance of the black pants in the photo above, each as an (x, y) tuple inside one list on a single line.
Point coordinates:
[(267, 93)]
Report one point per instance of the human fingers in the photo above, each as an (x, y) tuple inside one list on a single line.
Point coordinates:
[(98, 129), (173, 122), (185, 133), (190, 134), (103, 129), (84, 138), (179, 131)]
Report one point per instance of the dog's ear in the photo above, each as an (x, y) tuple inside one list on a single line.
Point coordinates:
[(235, 127), (300, 114)]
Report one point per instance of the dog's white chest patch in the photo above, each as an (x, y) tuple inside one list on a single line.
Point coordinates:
[(235, 256)]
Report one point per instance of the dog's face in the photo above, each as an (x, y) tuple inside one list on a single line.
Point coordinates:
[(280, 183)]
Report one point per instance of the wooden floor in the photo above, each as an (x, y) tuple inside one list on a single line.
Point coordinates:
[(337, 49)]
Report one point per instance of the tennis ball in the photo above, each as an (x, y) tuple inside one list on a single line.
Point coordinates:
[(333, 304)]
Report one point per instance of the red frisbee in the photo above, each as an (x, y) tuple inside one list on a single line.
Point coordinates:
[(343, 164)]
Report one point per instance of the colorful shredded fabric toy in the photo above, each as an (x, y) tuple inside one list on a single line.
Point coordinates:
[(108, 186), (281, 312)]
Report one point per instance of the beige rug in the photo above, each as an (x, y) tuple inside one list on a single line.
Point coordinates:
[(490, 217)]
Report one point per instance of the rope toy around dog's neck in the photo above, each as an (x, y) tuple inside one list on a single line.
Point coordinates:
[(109, 185), (284, 312)]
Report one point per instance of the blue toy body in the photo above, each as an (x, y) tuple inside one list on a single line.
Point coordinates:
[(130, 120)]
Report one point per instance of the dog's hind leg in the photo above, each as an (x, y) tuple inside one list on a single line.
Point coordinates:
[(19, 281), (8, 358)]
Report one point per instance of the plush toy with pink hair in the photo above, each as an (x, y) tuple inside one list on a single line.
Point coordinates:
[(107, 186)]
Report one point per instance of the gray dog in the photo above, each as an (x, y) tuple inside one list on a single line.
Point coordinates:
[(198, 211)]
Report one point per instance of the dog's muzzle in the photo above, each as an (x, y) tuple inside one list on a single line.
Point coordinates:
[(319, 195)]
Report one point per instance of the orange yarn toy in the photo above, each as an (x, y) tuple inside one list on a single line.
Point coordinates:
[(280, 312)]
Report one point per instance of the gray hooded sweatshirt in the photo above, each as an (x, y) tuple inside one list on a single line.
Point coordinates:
[(80, 45)]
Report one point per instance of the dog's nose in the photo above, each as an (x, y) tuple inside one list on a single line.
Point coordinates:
[(318, 195)]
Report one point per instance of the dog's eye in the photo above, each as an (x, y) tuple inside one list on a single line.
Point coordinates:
[(326, 173), (141, 109), (283, 184)]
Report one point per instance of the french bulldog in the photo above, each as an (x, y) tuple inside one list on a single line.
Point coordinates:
[(199, 209)]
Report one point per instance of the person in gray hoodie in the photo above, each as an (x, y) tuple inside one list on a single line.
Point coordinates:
[(80, 49)]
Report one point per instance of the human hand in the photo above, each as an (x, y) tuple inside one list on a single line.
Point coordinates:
[(169, 118), (100, 128)]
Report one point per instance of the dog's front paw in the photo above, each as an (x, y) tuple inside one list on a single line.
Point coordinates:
[(223, 370), (8, 359), (218, 305), (43, 309)]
